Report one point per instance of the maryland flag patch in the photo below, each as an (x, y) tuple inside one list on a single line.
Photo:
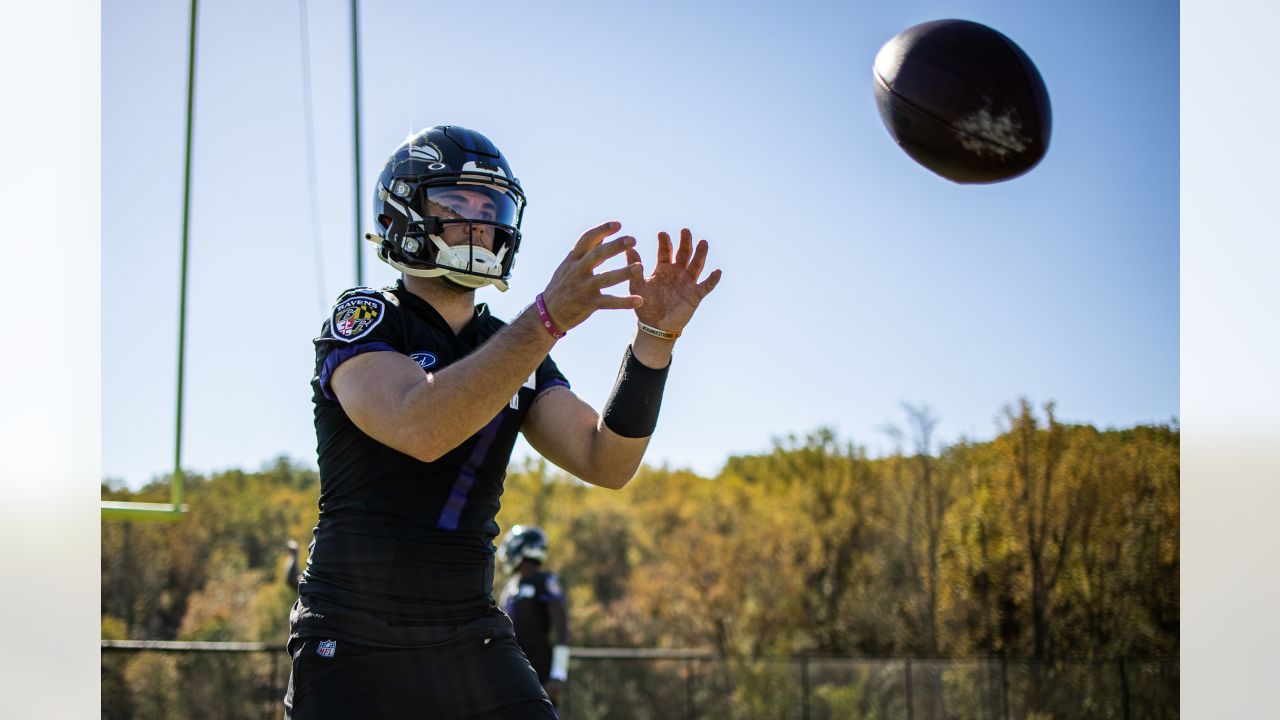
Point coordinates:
[(355, 317)]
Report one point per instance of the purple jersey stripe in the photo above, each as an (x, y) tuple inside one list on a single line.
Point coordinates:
[(337, 356), (452, 511)]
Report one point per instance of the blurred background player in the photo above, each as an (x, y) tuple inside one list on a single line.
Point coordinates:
[(535, 602), (291, 571)]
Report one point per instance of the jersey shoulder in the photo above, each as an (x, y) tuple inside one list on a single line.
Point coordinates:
[(358, 313), (548, 585), (489, 324), (387, 293)]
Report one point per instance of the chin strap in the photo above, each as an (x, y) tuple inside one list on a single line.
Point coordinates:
[(461, 257)]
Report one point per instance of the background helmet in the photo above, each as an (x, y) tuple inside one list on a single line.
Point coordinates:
[(523, 542), (416, 202)]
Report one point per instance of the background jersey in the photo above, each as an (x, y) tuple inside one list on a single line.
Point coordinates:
[(526, 601), (403, 543)]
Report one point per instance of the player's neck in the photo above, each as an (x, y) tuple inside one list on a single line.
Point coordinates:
[(454, 303)]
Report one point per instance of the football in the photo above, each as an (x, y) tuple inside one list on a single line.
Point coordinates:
[(963, 100)]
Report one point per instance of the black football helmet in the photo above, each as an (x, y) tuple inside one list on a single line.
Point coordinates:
[(523, 542), (439, 192)]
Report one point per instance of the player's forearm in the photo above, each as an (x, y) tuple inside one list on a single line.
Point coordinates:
[(613, 459), (458, 401), (616, 452), (560, 623)]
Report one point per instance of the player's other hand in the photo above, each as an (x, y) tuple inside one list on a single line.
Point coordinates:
[(672, 292), (553, 688), (574, 292)]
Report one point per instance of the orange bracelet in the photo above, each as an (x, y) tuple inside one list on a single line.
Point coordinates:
[(656, 332)]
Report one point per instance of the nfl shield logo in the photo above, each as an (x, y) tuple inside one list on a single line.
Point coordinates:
[(327, 648)]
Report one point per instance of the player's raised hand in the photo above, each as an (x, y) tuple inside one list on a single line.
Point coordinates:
[(672, 292), (574, 292)]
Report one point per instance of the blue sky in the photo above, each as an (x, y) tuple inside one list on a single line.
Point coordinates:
[(854, 280)]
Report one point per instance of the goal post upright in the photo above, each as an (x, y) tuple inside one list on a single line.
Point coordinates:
[(175, 508)]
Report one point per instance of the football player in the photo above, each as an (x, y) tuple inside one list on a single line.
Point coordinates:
[(418, 395), (536, 605), (291, 571)]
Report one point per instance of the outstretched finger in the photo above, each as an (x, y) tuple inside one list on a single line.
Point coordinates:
[(685, 251), (699, 259), (664, 248), (593, 237), (706, 286), (607, 250), (619, 302), (633, 258), (613, 277)]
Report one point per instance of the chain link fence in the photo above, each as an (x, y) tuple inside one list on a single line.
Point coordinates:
[(164, 680)]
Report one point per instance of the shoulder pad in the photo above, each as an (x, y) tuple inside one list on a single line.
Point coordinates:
[(355, 291), (482, 310)]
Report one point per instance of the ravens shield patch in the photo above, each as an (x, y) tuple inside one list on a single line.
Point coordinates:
[(355, 317)]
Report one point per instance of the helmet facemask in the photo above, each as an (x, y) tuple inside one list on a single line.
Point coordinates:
[(462, 226)]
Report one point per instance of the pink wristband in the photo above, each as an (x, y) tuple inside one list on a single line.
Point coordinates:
[(546, 318)]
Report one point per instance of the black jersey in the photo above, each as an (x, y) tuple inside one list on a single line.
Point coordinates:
[(527, 601), (403, 546)]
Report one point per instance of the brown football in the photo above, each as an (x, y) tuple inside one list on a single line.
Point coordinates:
[(963, 100)]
